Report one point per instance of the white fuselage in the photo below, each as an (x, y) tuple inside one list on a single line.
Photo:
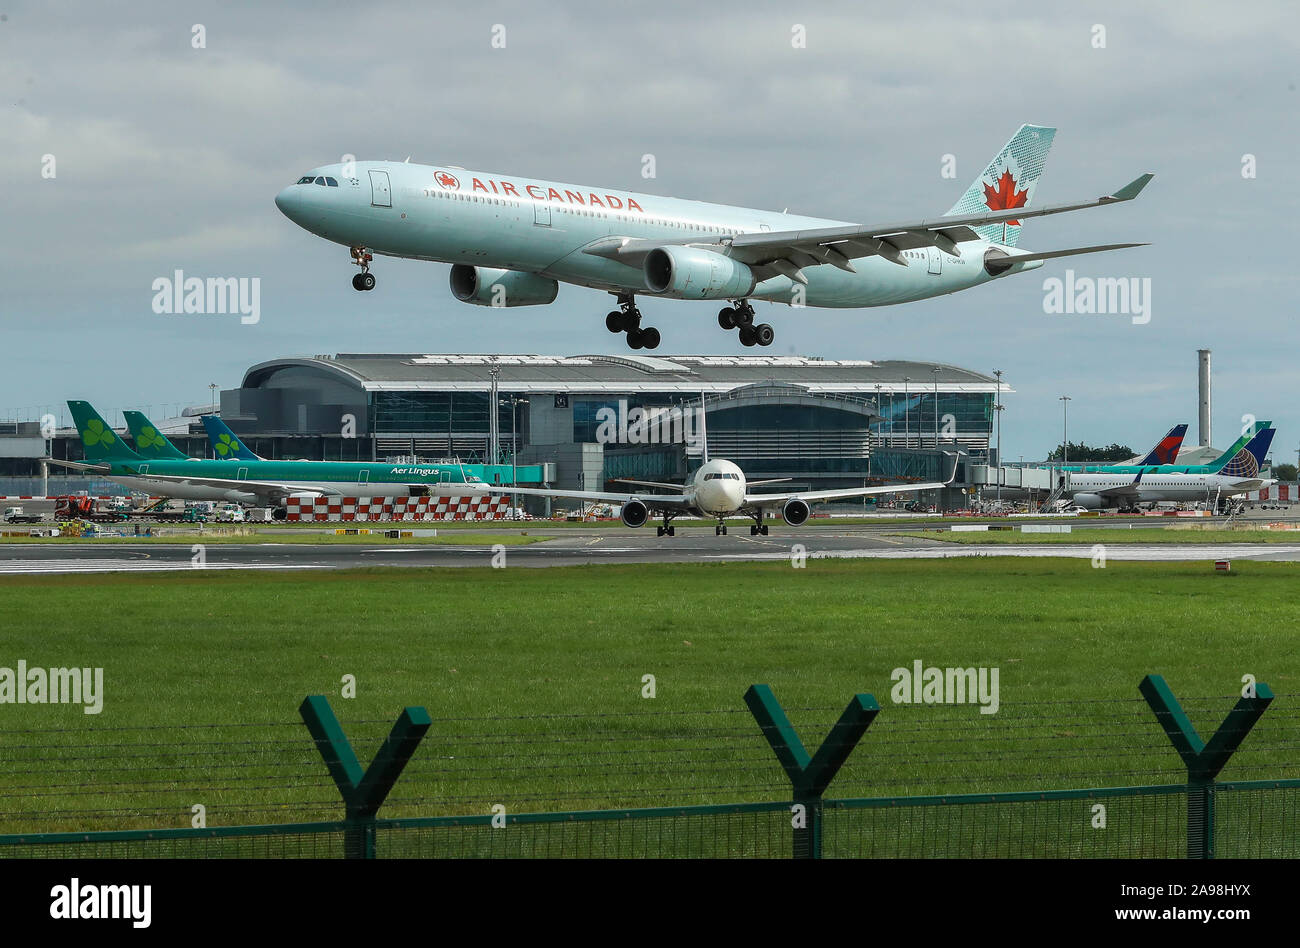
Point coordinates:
[(1157, 487), (717, 488), (490, 220)]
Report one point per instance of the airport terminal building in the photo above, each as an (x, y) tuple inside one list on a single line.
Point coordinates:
[(821, 423), (825, 423)]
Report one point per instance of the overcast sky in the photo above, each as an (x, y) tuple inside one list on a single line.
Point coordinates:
[(169, 157)]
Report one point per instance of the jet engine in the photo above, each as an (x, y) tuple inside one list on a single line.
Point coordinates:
[(1089, 501), (634, 514), (690, 273), (795, 511), (484, 287)]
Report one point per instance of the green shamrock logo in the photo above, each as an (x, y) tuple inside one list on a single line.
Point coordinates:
[(96, 433), (150, 438), (226, 445)]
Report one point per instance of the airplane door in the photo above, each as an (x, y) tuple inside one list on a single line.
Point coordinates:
[(380, 195), (541, 214), (242, 474), (936, 260), (363, 477)]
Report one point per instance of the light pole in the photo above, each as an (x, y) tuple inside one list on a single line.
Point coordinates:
[(514, 401), (494, 440), (907, 410), (1065, 429), (213, 387), (936, 370), (997, 407)]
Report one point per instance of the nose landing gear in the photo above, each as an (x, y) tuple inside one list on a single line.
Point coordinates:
[(627, 318), (741, 316), (365, 280)]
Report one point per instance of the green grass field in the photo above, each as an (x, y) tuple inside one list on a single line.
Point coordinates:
[(1115, 535), (534, 678), (217, 536)]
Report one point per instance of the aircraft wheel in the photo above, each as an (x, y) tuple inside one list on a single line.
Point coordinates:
[(764, 334), (634, 340), (614, 321), (661, 531), (650, 337), (727, 318), (672, 531), (747, 336), (763, 529), (356, 282), (724, 529), (753, 530), (367, 281)]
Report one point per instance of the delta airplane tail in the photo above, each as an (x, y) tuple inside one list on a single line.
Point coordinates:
[(149, 441), (98, 438), (1008, 182), (1166, 449), (225, 443)]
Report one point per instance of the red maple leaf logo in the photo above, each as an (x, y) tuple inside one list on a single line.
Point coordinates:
[(447, 180), (1005, 196)]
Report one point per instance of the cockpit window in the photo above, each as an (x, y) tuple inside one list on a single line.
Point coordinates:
[(332, 182), (320, 181), (306, 179)]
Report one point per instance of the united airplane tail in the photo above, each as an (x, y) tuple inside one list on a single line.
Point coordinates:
[(1250, 460), (149, 441), (98, 438), (1166, 449), (225, 443), (1008, 182)]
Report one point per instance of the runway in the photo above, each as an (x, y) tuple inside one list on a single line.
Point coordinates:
[(575, 548)]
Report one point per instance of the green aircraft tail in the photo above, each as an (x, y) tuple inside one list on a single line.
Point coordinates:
[(100, 441), (1237, 446), (149, 441)]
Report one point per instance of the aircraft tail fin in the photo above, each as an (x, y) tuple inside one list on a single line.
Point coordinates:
[(1166, 449), (98, 439), (225, 443), (1249, 460), (1238, 446), (1008, 182), (704, 431), (149, 441)]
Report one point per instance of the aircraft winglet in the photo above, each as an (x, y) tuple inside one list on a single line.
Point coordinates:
[(1133, 188)]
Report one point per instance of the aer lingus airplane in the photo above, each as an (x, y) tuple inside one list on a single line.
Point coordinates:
[(512, 240), (716, 489), (163, 470)]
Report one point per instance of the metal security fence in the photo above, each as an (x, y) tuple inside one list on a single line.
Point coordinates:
[(485, 780)]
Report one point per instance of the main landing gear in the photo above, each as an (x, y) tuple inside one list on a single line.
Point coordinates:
[(758, 527), (721, 529), (741, 316), (627, 318), (365, 280), (667, 529)]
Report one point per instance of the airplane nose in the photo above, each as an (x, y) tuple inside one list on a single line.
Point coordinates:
[(291, 203)]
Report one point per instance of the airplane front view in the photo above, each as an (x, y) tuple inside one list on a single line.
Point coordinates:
[(511, 240)]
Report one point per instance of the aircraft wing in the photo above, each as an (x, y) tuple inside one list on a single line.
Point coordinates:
[(272, 489), (813, 496), (663, 501), (79, 465), (628, 480), (1124, 490), (839, 245)]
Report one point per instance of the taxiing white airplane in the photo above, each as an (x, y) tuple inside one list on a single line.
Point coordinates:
[(512, 240), (716, 489), (1102, 491)]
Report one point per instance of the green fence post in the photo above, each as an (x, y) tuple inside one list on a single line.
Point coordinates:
[(810, 776), (1204, 760), (363, 792)]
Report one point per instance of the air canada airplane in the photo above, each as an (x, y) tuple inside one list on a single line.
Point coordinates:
[(716, 489), (512, 240)]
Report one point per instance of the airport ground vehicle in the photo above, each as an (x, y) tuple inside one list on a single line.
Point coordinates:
[(16, 515)]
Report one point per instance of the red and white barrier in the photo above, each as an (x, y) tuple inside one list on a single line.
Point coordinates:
[(367, 509)]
